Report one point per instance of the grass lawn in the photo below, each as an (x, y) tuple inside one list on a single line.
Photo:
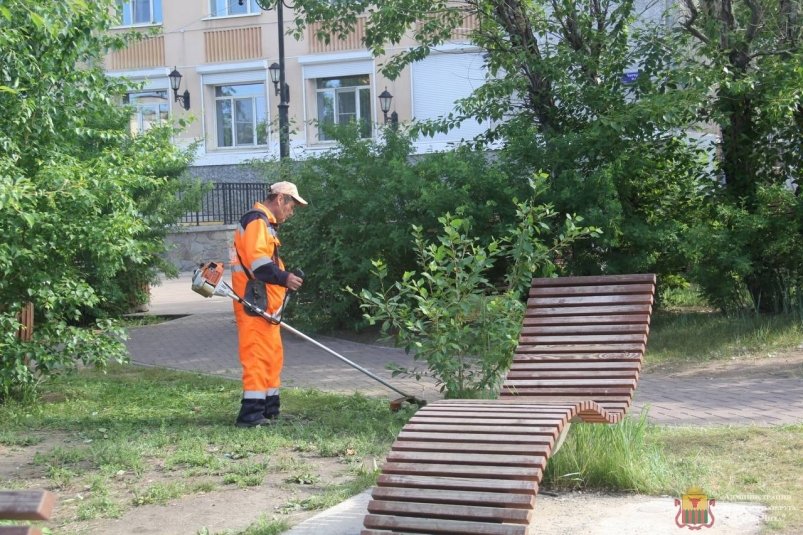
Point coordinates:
[(110, 443), (106, 443), (678, 338)]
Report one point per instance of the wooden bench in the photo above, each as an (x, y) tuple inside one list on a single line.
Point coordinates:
[(25, 505), (25, 316), (474, 466)]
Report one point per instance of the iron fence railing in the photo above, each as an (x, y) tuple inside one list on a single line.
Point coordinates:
[(226, 202)]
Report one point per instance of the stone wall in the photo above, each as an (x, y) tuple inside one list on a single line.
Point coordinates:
[(227, 173), (194, 245)]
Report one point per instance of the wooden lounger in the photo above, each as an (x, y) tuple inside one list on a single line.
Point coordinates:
[(473, 466), (25, 505)]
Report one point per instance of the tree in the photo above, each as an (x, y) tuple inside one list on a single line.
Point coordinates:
[(614, 149), (748, 52), (83, 204)]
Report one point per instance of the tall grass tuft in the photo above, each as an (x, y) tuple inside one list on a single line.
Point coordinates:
[(613, 457)]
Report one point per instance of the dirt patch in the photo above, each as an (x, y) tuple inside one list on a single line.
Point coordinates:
[(280, 495), (17, 466), (229, 510), (787, 364)]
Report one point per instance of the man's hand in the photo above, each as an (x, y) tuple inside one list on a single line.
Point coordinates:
[(294, 282)]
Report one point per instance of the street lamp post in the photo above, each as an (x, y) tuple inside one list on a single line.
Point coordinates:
[(284, 98), (277, 76)]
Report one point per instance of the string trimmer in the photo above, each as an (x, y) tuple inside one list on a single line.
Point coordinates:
[(207, 280)]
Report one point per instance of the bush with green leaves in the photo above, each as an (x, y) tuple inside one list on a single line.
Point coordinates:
[(450, 314), (364, 195), (84, 205), (751, 258)]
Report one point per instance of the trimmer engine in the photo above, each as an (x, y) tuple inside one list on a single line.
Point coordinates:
[(207, 280)]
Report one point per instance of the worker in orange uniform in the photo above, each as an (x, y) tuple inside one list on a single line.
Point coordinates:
[(258, 275)]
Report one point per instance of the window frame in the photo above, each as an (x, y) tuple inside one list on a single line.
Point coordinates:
[(233, 121), (356, 90), (131, 98), (122, 4), (252, 9)]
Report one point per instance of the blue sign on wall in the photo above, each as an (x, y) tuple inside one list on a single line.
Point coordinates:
[(629, 77)]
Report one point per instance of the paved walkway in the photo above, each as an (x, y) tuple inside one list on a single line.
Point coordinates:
[(204, 339)]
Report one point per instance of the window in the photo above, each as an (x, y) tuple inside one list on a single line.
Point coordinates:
[(241, 113), (345, 99), (133, 12), (150, 109), (227, 8)]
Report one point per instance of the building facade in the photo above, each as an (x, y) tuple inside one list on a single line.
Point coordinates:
[(223, 48)]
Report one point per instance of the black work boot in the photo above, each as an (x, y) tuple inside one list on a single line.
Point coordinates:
[(272, 405), (251, 413)]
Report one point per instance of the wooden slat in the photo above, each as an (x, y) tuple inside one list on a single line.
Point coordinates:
[(474, 421), (456, 497), (419, 481), (586, 319), (606, 289), (594, 280), (494, 405), (551, 417), (618, 400), (526, 449), (562, 374), (489, 438), (456, 470), (594, 310), (454, 512), (493, 459), (578, 391), (585, 366), (428, 525), (589, 300), (26, 504), (20, 530), (614, 339), (580, 348), (497, 430), (564, 330), (26, 320), (602, 358)]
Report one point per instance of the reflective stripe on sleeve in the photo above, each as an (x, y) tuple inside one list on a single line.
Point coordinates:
[(261, 261)]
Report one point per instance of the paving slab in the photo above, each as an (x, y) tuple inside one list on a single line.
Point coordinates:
[(204, 338), (556, 514)]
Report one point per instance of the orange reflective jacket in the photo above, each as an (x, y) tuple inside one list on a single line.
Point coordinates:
[(257, 245)]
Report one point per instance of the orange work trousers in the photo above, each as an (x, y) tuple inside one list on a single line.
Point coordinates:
[(261, 352)]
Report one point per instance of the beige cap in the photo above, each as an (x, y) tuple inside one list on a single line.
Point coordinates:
[(287, 188)]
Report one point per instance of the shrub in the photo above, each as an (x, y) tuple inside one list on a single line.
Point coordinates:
[(751, 257), (364, 195), (449, 313)]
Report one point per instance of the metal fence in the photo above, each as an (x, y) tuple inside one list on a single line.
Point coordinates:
[(226, 202)]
